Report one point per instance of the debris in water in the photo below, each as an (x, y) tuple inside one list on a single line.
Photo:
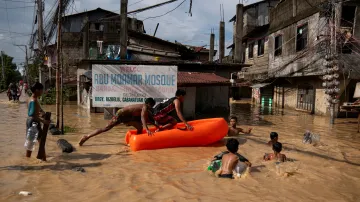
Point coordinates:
[(79, 169), (25, 193)]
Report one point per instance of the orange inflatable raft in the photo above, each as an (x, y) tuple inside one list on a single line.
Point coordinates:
[(206, 131)]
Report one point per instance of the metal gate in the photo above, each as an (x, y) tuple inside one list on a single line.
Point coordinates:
[(306, 98)]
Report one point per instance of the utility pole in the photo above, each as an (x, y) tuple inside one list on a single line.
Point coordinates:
[(2, 66), (331, 83), (26, 62), (27, 66), (58, 64), (62, 98), (123, 28), (40, 38)]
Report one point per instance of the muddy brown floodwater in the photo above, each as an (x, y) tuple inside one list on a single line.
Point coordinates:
[(329, 171)]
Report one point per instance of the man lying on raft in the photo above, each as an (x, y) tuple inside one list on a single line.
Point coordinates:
[(132, 115), (162, 111)]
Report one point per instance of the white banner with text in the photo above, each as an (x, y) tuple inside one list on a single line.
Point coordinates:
[(123, 85)]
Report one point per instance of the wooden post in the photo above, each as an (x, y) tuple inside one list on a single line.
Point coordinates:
[(157, 26), (123, 29), (40, 38), (58, 64), (41, 153), (283, 98)]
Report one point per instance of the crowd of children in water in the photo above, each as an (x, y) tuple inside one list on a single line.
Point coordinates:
[(139, 115), (230, 162)]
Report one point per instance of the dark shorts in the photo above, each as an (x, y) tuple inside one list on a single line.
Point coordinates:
[(164, 119), (29, 122), (120, 117), (230, 176)]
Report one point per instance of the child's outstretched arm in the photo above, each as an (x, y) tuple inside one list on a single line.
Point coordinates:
[(248, 131)]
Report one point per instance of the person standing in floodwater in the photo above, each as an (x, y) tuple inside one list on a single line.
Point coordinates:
[(35, 113)]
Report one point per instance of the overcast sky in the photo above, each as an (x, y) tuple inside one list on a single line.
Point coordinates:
[(16, 22)]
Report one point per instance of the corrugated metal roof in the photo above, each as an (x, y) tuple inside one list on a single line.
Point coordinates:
[(200, 78)]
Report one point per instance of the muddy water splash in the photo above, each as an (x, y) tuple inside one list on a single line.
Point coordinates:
[(329, 171)]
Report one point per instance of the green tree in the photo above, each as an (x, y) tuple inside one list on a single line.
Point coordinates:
[(33, 71), (11, 72)]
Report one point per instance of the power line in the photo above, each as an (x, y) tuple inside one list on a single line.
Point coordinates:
[(30, 2), (7, 18), (136, 3), (6, 8), (166, 12)]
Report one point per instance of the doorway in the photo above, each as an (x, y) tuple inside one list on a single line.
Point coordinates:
[(306, 98)]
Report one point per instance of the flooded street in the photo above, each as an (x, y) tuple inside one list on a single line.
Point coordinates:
[(329, 171)]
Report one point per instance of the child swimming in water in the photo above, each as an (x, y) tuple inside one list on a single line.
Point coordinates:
[(273, 138), (234, 130), (277, 147), (231, 159)]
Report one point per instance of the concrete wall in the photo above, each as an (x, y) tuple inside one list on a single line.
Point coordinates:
[(288, 12), (80, 71), (302, 63), (76, 23), (190, 101), (257, 15), (210, 97), (71, 56), (291, 93), (259, 63)]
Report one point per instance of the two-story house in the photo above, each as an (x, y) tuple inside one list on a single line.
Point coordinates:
[(296, 52), (254, 46)]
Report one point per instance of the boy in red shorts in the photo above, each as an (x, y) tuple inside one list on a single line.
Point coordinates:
[(162, 111)]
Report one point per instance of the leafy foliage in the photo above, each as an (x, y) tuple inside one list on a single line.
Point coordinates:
[(11, 72), (50, 97)]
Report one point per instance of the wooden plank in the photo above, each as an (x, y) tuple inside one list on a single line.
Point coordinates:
[(41, 153)]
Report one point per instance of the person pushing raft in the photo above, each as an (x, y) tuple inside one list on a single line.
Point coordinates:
[(133, 115), (163, 110)]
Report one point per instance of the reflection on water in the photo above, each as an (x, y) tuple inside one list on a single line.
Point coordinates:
[(329, 171)]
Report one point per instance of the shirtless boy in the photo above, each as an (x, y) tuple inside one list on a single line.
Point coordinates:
[(234, 130), (130, 115), (273, 138), (162, 111), (35, 113), (230, 160), (277, 147)]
